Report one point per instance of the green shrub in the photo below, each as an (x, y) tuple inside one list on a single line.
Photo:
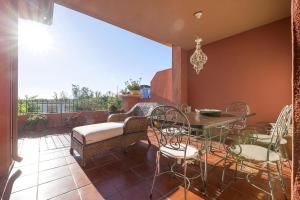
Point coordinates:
[(37, 119)]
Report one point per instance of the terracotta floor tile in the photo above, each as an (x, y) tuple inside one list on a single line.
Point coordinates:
[(117, 175), (51, 151), (53, 174), (79, 176), (51, 156), (26, 169), (28, 159), (45, 165), (106, 189), (118, 166), (28, 194), (102, 160), (55, 188), (140, 191), (126, 180), (89, 192), (166, 183), (97, 174), (23, 182), (73, 195), (144, 170), (232, 194), (70, 159), (115, 196), (179, 194)]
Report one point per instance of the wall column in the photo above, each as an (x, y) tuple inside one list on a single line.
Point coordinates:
[(179, 75), (8, 82), (296, 98)]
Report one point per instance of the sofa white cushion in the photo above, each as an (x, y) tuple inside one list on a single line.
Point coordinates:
[(99, 132)]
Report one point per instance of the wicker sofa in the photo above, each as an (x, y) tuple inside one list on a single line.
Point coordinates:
[(121, 130)]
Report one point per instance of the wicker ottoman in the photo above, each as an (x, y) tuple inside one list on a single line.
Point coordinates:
[(96, 138)]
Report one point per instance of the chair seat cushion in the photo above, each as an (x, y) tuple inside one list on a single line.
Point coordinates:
[(266, 139), (177, 151), (174, 131), (98, 132), (254, 152)]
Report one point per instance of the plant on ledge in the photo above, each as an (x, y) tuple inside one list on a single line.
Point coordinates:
[(124, 91), (134, 86), (37, 121)]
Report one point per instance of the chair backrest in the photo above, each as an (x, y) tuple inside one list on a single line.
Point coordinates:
[(285, 111), (171, 128), (281, 126), (184, 108), (143, 109), (289, 119), (239, 108)]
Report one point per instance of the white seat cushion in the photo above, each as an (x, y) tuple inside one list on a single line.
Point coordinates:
[(98, 132), (168, 150), (254, 152), (174, 130), (266, 139)]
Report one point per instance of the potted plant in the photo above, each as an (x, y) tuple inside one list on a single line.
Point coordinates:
[(134, 86)]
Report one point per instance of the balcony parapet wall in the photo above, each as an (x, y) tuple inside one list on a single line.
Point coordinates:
[(67, 120)]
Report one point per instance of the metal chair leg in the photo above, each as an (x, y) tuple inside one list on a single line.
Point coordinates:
[(286, 156), (157, 170), (200, 165), (270, 181), (224, 169), (236, 170), (242, 165), (220, 138), (279, 169), (185, 179)]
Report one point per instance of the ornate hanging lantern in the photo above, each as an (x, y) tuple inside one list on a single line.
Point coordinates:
[(199, 58)]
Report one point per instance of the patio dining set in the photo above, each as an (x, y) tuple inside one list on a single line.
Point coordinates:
[(185, 138)]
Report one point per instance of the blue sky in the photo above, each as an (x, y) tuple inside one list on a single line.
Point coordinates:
[(84, 51)]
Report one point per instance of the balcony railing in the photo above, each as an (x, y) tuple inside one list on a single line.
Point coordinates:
[(31, 106)]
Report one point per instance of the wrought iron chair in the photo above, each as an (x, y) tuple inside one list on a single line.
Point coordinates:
[(172, 130), (265, 137), (185, 108), (237, 108), (246, 149)]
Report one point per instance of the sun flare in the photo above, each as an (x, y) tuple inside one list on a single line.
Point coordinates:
[(35, 36)]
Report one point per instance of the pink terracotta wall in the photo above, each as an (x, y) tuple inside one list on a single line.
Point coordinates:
[(128, 101), (254, 67), (59, 120), (8, 21), (179, 75), (161, 86)]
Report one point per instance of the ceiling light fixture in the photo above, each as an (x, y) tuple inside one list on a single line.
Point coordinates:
[(199, 58)]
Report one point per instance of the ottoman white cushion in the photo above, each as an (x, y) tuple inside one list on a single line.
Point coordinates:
[(99, 132)]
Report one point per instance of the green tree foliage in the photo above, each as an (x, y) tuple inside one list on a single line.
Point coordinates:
[(84, 99), (90, 100), (28, 105)]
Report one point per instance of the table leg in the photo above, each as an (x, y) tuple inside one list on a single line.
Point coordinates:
[(206, 149)]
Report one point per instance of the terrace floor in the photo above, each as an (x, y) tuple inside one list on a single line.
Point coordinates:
[(47, 171)]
